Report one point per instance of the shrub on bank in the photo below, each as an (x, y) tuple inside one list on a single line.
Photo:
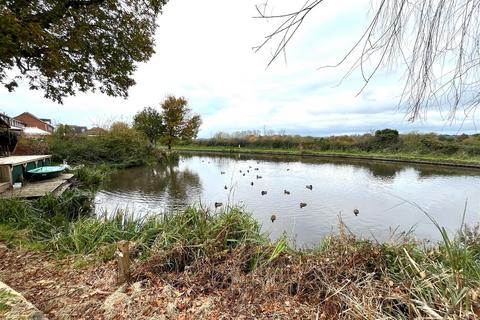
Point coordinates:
[(92, 176), (120, 146)]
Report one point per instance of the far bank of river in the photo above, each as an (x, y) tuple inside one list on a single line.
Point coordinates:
[(464, 162)]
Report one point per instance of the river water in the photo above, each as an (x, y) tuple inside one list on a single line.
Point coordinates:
[(389, 197)]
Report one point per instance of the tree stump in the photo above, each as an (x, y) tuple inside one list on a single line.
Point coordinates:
[(123, 260)]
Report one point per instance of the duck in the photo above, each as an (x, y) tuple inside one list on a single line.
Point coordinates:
[(244, 174), (225, 187), (248, 171), (222, 172), (218, 204), (288, 169), (286, 192), (356, 212), (273, 218), (256, 169), (302, 204), (251, 183), (264, 193), (309, 187), (259, 177)]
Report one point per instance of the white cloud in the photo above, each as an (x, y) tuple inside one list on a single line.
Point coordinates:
[(204, 52)]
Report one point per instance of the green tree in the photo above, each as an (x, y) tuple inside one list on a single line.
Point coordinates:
[(149, 121), (64, 130), (180, 124), (387, 136), (65, 46)]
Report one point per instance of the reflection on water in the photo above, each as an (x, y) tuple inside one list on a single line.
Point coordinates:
[(155, 188), (377, 189)]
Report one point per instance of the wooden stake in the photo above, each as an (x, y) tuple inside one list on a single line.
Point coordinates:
[(123, 260)]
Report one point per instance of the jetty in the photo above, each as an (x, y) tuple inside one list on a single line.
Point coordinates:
[(15, 183)]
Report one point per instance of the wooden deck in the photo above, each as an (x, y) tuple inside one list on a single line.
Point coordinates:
[(39, 188), (16, 160)]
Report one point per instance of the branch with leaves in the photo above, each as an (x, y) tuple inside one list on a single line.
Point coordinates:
[(65, 46)]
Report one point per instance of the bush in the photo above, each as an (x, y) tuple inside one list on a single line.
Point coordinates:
[(387, 137), (92, 176), (121, 146)]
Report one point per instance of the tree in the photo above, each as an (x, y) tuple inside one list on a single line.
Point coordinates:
[(64, 130), (387, 136), (180, 124), (65, 46), (149, 121), (436, 42)]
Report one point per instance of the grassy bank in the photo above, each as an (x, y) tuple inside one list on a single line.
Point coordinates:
[(224, 253), (385, 144), (468, 161)]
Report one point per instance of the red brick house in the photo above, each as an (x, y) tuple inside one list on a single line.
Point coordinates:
[(31, 121)]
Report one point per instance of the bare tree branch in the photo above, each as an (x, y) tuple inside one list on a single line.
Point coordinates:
[(436, 42)]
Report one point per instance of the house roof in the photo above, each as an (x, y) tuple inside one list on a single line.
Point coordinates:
[(33, 116), (34, 131)]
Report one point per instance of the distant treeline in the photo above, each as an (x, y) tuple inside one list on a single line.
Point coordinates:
[(386, 140)]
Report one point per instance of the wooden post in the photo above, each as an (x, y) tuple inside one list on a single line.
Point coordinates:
[(123, 260)]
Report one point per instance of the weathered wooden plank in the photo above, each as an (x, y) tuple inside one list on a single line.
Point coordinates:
[(16, 160), (38, 188)]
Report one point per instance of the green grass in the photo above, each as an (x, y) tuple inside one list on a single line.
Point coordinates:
[(404, 156)]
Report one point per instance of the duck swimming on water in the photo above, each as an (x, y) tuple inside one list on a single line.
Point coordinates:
[(302, 205), (309, 187), (273, 218), (356, 212), (264, 193), (218, 204), (286, 192)]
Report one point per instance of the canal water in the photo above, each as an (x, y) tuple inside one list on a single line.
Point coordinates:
[(390, 197)]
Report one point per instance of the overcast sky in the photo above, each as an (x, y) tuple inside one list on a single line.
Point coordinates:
[(204, 52)]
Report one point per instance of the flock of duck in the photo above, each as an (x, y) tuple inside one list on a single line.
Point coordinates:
[(264, 192)]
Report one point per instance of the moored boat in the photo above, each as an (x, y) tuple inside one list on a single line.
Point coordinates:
[(45, 172)]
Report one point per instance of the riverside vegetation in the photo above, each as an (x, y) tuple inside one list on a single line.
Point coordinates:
[(95, 157), (223, 254), (220, 256), (383, 143)]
